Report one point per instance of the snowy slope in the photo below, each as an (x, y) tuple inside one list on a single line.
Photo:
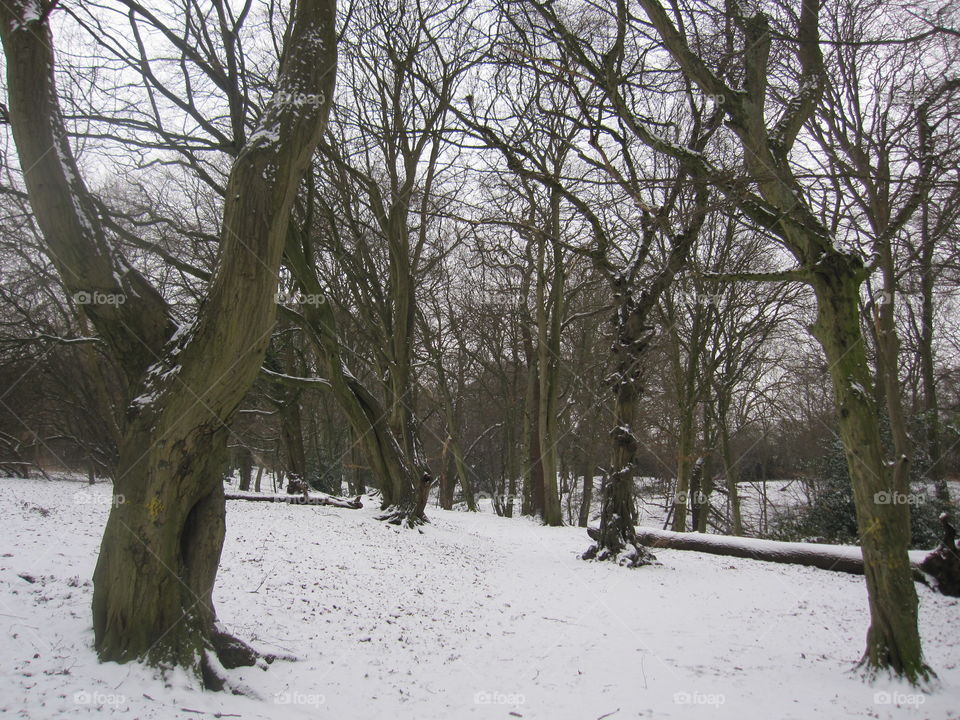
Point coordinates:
[(478, 617)]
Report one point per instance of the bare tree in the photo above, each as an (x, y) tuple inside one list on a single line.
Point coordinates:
[(161, 547)]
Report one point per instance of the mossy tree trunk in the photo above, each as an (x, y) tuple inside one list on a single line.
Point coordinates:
[(883, 520)]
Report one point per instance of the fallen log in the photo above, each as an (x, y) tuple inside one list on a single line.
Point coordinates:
[(330, 500), (837, 558)]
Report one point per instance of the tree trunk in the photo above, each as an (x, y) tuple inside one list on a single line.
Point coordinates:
[(291, 433), (893, 640), (705, 486), (836, 559), (618, 514), (703, 497), (246, 468), (931, 405), (729, 468), (549, 316), (158, 561), (446, 486), (401, 477), (463, 475), (587, 499), (685, 464), (533, 495)]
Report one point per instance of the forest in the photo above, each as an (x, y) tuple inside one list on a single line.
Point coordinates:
[(523, 296)]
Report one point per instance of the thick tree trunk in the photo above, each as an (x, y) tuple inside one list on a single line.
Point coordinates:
[(158, 561), (893, 640)]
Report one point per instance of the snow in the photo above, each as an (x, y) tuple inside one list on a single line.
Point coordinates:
[(476, 617)]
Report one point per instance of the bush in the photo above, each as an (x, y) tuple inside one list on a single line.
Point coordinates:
[(830, 515)]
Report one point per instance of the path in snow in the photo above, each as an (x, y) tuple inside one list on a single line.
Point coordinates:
[(477, 617)]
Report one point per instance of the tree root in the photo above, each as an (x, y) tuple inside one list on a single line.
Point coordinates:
[(617, 551), (922, 677), (402, 517), (639, 556), (227, 652)]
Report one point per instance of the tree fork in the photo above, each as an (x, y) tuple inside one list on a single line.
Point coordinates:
[(161, 546)]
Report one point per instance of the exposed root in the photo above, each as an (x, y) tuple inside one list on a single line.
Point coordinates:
[(227, 652), (923, 678), (626, 552), (233, 652), (638, 556), (403, 518)]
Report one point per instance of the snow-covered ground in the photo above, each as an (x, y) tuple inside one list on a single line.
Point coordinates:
[(477, 617)]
